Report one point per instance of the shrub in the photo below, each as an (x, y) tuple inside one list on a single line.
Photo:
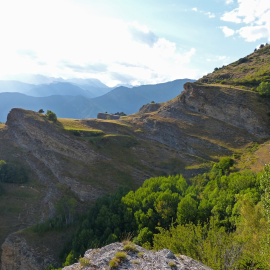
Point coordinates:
[(119, 258), (264, 89), (51, 116), (172, 264), (114, 263), (121, 255), (130, 248), (84, 262), (12, 173), (140, 254)]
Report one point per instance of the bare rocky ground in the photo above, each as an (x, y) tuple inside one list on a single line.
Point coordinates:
[(139, 258)]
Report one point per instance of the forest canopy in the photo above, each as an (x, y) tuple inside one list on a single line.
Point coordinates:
[(221, 218)]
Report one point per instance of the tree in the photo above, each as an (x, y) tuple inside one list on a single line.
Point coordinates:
[(41, 111), (51, 116), (12, 173), (265, 187), (187, 210)]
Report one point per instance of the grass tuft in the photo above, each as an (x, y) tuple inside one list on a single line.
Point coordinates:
[(114, 263), (130, 248)]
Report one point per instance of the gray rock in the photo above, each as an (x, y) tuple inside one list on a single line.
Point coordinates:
[(142, 259)]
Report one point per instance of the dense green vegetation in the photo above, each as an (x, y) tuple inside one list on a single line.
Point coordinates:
[(217, 218), (264, 89), (12, 173)]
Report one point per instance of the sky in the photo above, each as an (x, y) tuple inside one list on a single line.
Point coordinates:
[(130, 42)]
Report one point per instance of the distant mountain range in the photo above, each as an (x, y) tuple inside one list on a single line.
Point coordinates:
[(80, 99), (41, 86)]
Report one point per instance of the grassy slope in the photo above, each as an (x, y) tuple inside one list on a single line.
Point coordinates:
[(247, 72), (120, 141)]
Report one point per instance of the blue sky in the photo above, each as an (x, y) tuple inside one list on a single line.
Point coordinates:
[(128, 41)]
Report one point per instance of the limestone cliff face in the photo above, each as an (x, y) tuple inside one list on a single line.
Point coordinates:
[(140, 259), (206, 120), (239, 108)]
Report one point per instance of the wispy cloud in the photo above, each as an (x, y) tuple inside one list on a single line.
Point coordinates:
[(88, 68), (27, 53), (142, 34), (227, 31), (209, 14)]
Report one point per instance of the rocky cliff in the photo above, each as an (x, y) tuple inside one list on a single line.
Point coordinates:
[(18, 255), (138, 258), (207, 120)]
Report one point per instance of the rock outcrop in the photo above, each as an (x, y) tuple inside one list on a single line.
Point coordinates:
[(139, 258), (19, 255), (239, 108), (205, 120)]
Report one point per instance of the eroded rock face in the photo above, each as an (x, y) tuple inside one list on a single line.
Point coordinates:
[(205, 120), (238, 108), (47, 145), (18, 255), (95, 259)]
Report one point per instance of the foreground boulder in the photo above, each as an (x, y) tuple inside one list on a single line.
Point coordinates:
[(120, 256)]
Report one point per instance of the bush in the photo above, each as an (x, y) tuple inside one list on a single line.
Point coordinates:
[(114, 263), (264, 89), (84, 262), (130, 248), (121, 256), (51, 116)]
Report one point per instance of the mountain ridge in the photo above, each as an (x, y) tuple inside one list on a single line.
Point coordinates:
[(128, 100)]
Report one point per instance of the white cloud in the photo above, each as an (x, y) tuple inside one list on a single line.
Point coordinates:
[(43, 37), (231, 16), (209, 14), (229, 2), (227, 31), (255, 14), (253, 33)]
